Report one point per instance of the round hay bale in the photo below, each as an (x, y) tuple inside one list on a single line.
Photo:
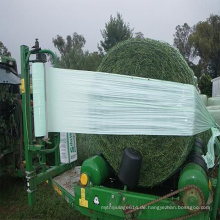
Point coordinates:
[(215, 112), (212, 101), (162, 155), (204, 99)]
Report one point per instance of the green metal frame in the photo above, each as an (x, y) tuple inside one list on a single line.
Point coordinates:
[(112, 200), (36, 172)]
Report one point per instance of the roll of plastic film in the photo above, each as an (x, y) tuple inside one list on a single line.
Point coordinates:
[(38, 82), (103, 103)]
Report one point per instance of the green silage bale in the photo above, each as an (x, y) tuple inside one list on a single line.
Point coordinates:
[(204, 99), (162, 155), (214, 101), (215, 112)]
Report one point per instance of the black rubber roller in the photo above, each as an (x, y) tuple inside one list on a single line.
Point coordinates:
[(129, 170), (197, 158)]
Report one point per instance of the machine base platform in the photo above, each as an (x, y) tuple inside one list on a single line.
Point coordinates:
[(67, 179)]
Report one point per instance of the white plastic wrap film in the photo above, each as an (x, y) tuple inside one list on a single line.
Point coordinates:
[(38, 82), (102, 103)]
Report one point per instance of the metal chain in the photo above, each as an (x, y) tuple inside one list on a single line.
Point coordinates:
[(167, 196)]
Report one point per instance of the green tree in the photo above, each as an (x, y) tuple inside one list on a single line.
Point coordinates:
[(92, 60), (181, 40), (116, 30), (3, 50), (205, 85), (72, 55), (139, 35), (205, 42), (197, 68), (71, 51), (201, 42)]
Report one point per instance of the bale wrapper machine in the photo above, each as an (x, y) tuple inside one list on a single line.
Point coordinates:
[(98, 192)]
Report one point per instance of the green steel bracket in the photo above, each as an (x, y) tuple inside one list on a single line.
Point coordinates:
[(35, 147), (30, 175), (41, 51), (31, 183), (48, 151), (53, 171), (27, 119), (38, 147)]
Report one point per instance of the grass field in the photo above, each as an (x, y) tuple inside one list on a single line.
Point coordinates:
[(49, 205)]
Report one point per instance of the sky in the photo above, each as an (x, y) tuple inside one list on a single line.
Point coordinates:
[(21, 21)]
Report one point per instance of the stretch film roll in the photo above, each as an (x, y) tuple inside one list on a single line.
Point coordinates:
[(105, 103), (102, 103), (38, 81)]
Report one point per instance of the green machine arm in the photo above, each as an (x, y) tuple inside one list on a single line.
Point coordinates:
[(37, 171)]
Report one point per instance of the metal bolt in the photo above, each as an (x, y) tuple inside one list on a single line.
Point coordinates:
[(123, 199), (113, 196)]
